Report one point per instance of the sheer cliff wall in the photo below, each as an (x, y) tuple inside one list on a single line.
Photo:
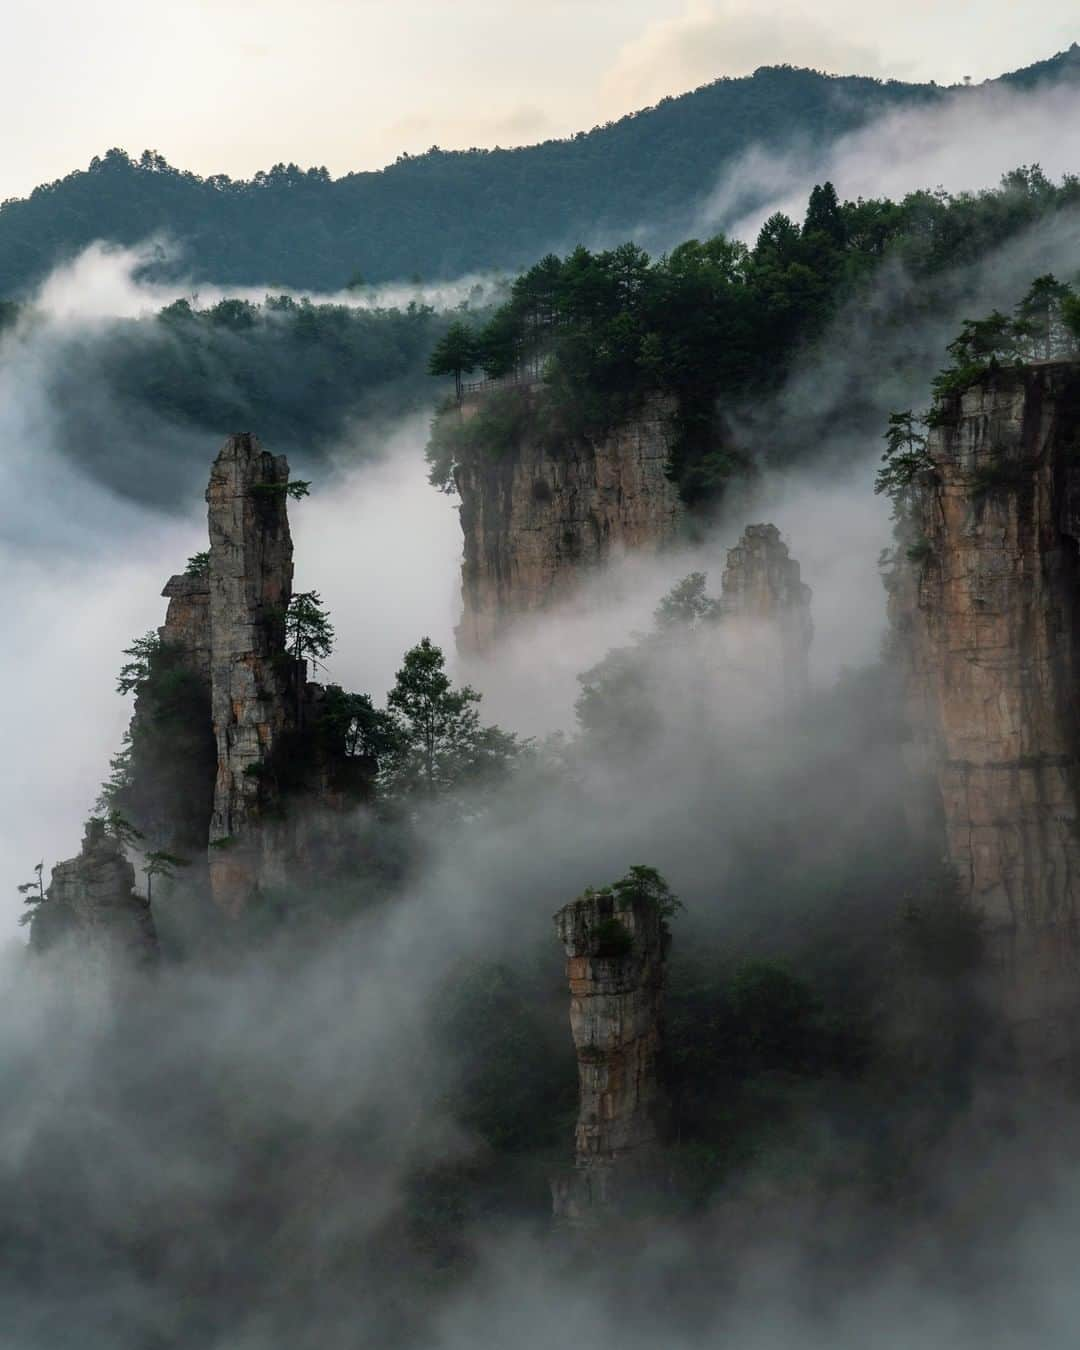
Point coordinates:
[(537, 517), (986, 608)]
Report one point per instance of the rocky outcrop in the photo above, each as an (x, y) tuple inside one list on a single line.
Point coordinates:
[(986, 611), (96, 894), (616, 950), (253, 683), (186, 629), (765, 606), (537, 517)]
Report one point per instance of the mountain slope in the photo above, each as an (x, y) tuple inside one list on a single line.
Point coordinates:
[(446, 213)]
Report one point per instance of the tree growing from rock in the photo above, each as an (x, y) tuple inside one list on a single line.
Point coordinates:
[(33, 893), (161, 864), (309, 634)]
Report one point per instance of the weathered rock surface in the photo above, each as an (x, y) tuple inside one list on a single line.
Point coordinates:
[(536, 519), (187, 622), (987, 615), (766, 606), (616, 952), (97, 889), (252, 682)]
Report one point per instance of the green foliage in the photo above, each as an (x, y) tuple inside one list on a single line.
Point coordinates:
[(621, 703), (161, 863), (163, 774), (441, 746), (445, 212), (121, 828), (198, 565), (309, 634), (33, 893), (686, 604), (714, 322), (515, 1079), (919, 551), (1040, 329), (48, 919), (905, 458), (495, 428), (456, 353), (135, 673), (999, 476), (641, 885), (612, 939), (646, 884), (294, 491)]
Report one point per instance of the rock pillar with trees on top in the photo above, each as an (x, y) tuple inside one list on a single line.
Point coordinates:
[(616, 941), (765, 607)]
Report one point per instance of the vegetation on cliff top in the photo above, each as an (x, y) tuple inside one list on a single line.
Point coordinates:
[(714, 325)]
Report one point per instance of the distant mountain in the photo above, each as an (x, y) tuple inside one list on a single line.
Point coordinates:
[(445, 213)]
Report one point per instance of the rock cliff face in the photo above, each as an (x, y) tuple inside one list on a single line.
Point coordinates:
[(987, 614), (253, 683), (536, 519), (97, 891), (766, 607), (616, 953), (187, 623)]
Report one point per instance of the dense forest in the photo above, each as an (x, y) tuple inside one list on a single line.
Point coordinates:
[(716, 325), (445, 213)]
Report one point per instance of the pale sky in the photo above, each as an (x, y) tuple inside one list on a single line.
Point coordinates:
[(237, 85)]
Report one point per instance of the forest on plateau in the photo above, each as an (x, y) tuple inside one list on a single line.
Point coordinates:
[(448, 212)]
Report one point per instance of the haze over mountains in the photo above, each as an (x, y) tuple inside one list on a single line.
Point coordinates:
[(447, 213)]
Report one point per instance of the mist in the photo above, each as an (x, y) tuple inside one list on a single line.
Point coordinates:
[(262, 1154)]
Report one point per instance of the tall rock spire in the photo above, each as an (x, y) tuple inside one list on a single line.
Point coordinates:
[(766, 606), (985, 605), (616, 949), (252, 680)]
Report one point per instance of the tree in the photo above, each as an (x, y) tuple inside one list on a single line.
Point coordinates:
[(455, 353), (136, 672), (905, 457), (49, 919), (198, 565), (1039, 317), (161, 864), (33, 893), (309, 634), (121, 829), (686, 604), (442, 744), (823, 214), (646, 883)]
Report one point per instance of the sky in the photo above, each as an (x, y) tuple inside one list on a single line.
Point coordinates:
[(233, 86)]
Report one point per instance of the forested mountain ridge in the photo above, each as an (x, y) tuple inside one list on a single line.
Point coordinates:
[(445, 213)]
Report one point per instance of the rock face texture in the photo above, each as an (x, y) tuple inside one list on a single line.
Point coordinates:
[(986, 610), (97, 890), (765, 604), (536, 518), (616, 952), (253, 683), (187, 623)]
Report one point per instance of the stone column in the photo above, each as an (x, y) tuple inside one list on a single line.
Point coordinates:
[(252, 679), (616, 952)]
